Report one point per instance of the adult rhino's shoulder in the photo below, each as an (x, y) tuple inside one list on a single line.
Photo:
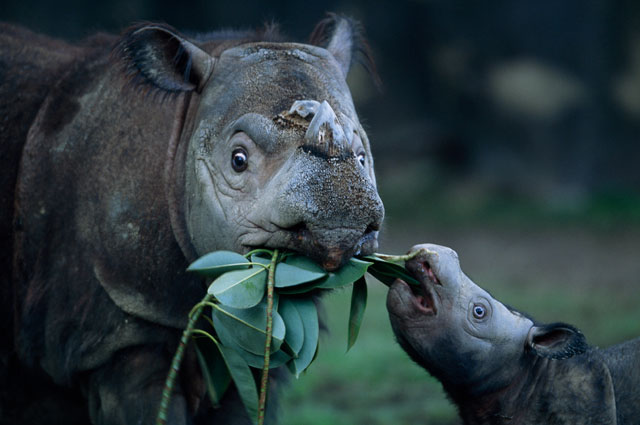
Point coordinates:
[(31, 65)]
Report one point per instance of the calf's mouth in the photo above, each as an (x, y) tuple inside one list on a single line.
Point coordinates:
[(421, 300), (424, 295)]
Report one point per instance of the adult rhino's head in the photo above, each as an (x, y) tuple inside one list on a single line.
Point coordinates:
[(275, 155), (456, 330)]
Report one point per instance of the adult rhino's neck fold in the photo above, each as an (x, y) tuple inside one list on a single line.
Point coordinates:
[(174, 171)]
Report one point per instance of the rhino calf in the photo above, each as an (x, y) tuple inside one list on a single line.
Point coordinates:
[(500, 367)]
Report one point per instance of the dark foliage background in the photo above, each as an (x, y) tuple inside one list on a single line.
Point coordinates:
[(507, 129), (533, 98)]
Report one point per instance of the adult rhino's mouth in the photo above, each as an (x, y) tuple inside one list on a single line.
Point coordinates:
[(331, 248)]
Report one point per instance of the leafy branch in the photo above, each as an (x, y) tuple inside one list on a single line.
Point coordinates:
[(262, 317)]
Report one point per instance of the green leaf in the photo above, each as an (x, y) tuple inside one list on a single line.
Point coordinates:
[(302, 262), (309, 315), (356, 314), (216, 375), (243, 378), (276, 359), (294, 337), (300, 289), (247, 327), (256, 258), (218, 262), (347, 274), (289, 275), (240, 288), (382, 275), (387, 272)]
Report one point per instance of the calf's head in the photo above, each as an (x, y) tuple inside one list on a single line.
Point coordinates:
[(471, 342), (276, 156)]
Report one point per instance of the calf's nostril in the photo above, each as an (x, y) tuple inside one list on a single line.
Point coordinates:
[(429, 272), (433, 276)]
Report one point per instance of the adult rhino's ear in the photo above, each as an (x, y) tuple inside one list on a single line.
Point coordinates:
[(159, 56), (556, 341), (344, 38)]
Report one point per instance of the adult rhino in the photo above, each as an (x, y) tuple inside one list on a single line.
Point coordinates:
[(499, 366), (124, 159)]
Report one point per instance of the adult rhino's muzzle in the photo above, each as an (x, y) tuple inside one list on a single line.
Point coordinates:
[(331, 213), (329, 236), (327, 205)]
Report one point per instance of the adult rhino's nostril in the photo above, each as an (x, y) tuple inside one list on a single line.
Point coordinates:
[(300, 230), (373, 227)]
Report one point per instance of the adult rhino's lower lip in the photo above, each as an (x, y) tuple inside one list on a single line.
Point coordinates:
[(368, 243), (331, 248)]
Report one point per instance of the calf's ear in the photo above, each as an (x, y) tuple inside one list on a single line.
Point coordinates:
[(157, 55), (556, 341)]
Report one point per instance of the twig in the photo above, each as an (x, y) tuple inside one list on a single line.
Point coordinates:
[(407, 257), (267, 344), (177, 359)]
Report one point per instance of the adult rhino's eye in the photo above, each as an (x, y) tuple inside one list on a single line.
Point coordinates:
[(239, 160), (479, 311), (361, 159)]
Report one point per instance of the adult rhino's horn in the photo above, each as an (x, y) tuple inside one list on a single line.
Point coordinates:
[(159, 56), (325, 135)]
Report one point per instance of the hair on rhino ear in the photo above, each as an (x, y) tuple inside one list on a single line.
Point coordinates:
[(556, 341), (344, 38), (157, 55)]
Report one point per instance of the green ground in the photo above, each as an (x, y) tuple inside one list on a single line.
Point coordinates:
[(577, 267)]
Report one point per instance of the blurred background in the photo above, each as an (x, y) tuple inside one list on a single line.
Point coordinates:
[(508, 130)]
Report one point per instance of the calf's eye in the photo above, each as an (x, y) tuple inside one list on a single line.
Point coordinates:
[(479, 311), (239, 160), (361, 159)]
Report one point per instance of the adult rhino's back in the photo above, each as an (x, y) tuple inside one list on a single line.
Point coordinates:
[(30, 65)]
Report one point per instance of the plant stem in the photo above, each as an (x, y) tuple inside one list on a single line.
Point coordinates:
[(407, 257), (258, 251), (267, 344), (177, 359)]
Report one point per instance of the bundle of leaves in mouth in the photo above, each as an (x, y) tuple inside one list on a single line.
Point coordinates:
[(262, 316)]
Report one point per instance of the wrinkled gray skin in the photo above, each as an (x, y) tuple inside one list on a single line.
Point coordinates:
[(497, 365), (118, 155), (303, 189)]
